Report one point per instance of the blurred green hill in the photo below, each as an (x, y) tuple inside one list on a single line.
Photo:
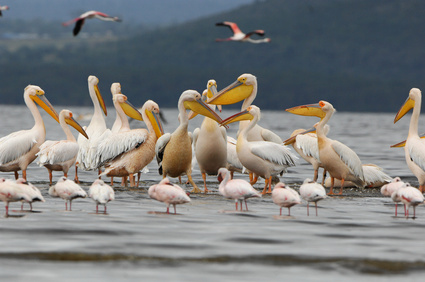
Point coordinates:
[(360, 55)]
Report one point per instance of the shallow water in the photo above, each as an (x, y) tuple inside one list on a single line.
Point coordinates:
[(353, 237)]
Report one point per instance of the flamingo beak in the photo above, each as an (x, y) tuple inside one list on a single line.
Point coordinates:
[(407, 106), (308, 110), (234, 93), (42, 101), (100, 99), (72, 122)]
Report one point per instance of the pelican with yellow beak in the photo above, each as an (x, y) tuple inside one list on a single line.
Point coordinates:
[(19, 149), (244, 88), (414, 148), (174, 151), (210, 142), (96, 130), (263, 158), (336, 158), (61, 155), (128, 151)]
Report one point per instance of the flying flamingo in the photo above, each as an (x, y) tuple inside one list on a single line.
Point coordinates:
[(238, 35), (3, 8), (79, 22)]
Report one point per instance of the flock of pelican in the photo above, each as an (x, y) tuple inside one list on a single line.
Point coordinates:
[(124, 152)]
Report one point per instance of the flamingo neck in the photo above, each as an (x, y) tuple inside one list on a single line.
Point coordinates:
[(38, 121), (223, 183), (66, 129), (413, 127)]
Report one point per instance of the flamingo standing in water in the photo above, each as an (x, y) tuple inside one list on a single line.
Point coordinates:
[(168, 193), (237, 189), (238, 35), (79, 22), (389, 189), (409, 196), (10, 191), (67, 190), (312, 192), (101, 193), (286, 197)]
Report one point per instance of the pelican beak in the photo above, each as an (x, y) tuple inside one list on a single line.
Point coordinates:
[(244, 115), (407, 106), (72, 122), (100, 99), (131, 111), (399, 145), (212, 91), (201, 108), (308, 110), (156, 123), (42, 101), (235, 92), (292, 139)]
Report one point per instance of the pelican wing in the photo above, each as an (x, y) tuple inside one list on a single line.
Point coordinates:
[(16, 145), (195, 136), (55, 152), (349, 157), (417, 153), (273, 152), (270, 136), (373, 173), (160, 145), (232, 156), (119, 143), (308, 144)]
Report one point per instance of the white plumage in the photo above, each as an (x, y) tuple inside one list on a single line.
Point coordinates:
[(284, 196), (311, 191), (168, 193), (101, 193), (68, 190)]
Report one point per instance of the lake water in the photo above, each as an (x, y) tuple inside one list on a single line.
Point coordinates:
[(354, 237)]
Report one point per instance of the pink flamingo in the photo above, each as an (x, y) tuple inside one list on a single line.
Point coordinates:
[(101, 193), (409, 196), (11, 192), (79, 22), (238, 35), (3, 8), (312, 192), (285, 197), (67, 190), (389, 189), (237, 189), (168, 193)]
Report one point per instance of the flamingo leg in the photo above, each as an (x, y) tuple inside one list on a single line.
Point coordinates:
[(175, 212), (246, 205), (7, 209), (396, 207), (22, 206), (104, 210), (50, 176), (289, 211), (240, 201), (66, 205), (204, 176), (168, 209), (70, 205), (315, 203), (280, 210), (97, 208), (308, 211), (236, 202)]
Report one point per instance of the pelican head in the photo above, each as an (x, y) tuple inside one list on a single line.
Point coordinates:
[(94, 81), (115, 88), (126, 106), (414, 95), (192, 100), (37, 95), (237, 91), (151, 110), (250, 113), (69, 119)]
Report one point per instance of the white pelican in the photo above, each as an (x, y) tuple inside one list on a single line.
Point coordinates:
[(174, 151), (68, 190), (238, 35), (389, 189), (284, 196), (244, 88), (339, 160), (3, 8), (101, 193), (168, 193), (33, 192), (127, 152), (10, 191), (409, 196), (262, 158), (210, 144), (237, 189), (96, 130), (61, 155), (311, 191), (414, 149), (18, 149), (79, 22), (374, 177)]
